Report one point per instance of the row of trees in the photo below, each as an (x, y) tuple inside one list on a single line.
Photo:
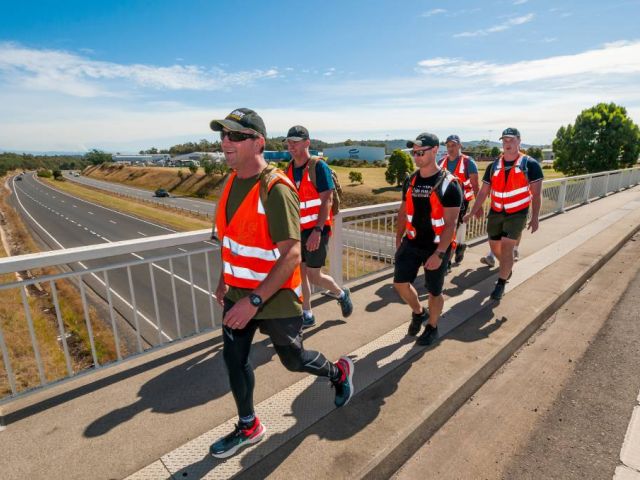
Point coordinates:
[(15, 161)]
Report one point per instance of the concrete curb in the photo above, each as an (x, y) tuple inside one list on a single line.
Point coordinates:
[(390, 460)]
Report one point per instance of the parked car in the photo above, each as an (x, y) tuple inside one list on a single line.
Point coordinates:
[(161, 192)]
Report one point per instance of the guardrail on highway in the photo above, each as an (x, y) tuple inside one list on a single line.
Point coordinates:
[(144, 302)]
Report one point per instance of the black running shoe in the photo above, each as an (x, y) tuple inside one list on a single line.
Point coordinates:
[(498, 291), (429, 336), (416, 322), (308, 322), (460, 253), (345, 303), (242, 436)]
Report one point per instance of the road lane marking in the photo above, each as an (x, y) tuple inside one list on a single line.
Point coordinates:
[(143, 234), (112, 222)]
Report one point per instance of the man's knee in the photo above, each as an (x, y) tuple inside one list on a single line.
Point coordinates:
[(291, 357), (313, 274)]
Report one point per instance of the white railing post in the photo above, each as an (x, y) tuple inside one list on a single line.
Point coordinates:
[(335, 250), (606, 186), (562, 195), (587, 189)]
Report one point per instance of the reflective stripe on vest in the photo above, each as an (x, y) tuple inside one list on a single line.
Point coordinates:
[(461, 175), (248, 252), (513, 194), (309, 200)]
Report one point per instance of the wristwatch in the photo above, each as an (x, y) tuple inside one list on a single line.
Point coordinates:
[(256, 300), (441, 255), (317, 229)]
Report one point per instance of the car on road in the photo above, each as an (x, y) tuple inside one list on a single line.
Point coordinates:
[(19, 177), (161, 192), (76, 174)]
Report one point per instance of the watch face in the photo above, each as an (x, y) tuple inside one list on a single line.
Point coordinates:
[(255, 300)]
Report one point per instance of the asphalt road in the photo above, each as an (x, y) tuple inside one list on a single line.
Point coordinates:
[(201, 207), (63, 221)]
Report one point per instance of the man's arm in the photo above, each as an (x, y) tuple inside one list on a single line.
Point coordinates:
[(446, 237), (477, 204), (401, 223), (326, 199), (243, 311), (536, 201), (473, 178)]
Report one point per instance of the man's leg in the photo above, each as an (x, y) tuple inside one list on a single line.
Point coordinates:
[(286, 336), (434, 281), (407, 263), (506, 257), (306, 287), (249, 430), (317, 277)]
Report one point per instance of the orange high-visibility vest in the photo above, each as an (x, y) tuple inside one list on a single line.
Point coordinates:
[(513, 194), (462, 175), (437, 210), (248, 252), (309, 200)]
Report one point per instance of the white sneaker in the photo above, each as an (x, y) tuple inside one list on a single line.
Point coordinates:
[(489, 260)]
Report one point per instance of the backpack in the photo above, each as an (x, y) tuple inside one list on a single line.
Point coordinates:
[(337, 188)]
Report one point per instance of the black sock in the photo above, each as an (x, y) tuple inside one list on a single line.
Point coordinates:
[(501, 281)]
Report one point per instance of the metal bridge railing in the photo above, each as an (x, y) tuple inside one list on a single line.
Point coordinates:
[(137, 295)]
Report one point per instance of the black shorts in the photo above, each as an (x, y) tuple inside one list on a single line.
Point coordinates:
[(408, 261), (282, 331), (317, 258)]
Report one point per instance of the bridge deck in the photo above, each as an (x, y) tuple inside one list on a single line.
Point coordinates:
[(163, 410)]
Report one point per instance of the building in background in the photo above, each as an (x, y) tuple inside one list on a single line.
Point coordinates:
[(355, 152)]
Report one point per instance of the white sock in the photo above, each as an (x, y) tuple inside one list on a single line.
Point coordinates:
[(341, 296), (307, 313), (491, 255), (460, 234)]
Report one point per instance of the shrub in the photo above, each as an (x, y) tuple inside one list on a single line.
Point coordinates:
[(356, 177), (45, 173)]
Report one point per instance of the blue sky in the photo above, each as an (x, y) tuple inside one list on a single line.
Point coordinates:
[(127, 75)]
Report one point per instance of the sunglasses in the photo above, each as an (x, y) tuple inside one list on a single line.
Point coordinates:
[(236, 136), (420, 153)]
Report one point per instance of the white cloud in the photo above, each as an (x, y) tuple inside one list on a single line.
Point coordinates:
[(619, 57), (520, 2), (512, 22), (76, 75), (435, 11)]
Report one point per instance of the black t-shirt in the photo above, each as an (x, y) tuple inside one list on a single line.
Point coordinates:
[(534, 174), (420, 194)]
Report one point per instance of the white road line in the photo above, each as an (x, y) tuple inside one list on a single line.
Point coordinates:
[(112, 222), (75, 206), (90, 213), (143, 234), (86, 268), (109, 209)]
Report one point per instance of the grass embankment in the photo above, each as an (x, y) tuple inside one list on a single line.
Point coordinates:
[(179, 221), (13, 320)]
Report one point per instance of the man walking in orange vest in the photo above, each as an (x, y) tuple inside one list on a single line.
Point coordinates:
[(260, 284), (466, 171), (426, 225), (514, 181), (316, 219)]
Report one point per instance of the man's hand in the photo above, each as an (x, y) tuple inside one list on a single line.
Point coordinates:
[(240, 314), (313, 242), (533, 224), (433, 262), (221, 291)]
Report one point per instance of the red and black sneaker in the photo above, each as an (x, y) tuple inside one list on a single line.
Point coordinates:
[(344, 385), (243, 435)]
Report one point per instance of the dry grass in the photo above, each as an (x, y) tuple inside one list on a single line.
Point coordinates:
[(13, 320), (181, 221)]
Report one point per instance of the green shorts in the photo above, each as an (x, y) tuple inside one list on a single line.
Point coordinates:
[(503, 225)]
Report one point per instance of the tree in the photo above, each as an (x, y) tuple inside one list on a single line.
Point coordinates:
[(208, 167), (535, 152), (96, 157), (356, 177), (57, 175), (400, 165), (602, 138), (495, 152), (193, 168)]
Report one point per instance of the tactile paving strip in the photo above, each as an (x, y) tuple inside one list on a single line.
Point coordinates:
[(296, 408), (155, 471)]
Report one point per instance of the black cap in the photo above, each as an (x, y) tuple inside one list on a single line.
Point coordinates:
[(240, 119), (453, 138), (510, 132), (297, 133), (424, 140)]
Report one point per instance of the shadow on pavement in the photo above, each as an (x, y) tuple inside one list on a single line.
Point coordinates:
[(195, 382)]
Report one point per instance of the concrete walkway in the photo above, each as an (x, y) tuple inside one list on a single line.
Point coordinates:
[(157, 415)]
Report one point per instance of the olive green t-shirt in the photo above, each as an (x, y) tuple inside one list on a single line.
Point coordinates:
[(283, 217)]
